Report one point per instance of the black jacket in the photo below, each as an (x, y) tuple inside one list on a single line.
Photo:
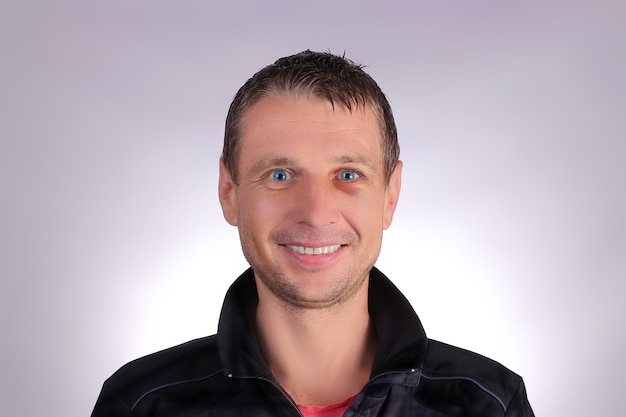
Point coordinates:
[(224, 375)]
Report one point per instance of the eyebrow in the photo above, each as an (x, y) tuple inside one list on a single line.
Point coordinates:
[(265, 164), (279, 162), (355, 159)]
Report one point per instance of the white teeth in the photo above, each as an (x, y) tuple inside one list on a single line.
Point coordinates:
[(314, 251)]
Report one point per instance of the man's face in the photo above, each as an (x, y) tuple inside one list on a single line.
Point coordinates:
[(312, 202)]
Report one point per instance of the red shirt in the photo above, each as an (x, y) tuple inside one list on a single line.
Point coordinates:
[(330, 410)]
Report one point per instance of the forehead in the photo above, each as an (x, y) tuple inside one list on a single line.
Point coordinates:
[(297, 120)]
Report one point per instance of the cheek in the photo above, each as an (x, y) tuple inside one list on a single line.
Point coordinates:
[(262, 212), (365, 214)]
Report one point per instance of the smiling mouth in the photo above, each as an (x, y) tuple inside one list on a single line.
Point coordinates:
[(323, 250)]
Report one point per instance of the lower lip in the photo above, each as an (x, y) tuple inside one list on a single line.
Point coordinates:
[(313, 261)]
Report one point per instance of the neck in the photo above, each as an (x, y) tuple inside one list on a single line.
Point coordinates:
[(319, 356)]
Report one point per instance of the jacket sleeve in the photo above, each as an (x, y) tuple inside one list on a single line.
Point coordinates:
[(110, 404), (519, 405)]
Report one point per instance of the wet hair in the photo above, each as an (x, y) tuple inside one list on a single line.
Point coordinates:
[(312, 74)]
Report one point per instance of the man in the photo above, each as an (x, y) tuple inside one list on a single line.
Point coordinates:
[(310, 176)]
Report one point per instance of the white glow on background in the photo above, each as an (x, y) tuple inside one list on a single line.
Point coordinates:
[(510, 235)]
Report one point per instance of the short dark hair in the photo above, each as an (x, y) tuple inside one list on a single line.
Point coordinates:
[(320, 74)]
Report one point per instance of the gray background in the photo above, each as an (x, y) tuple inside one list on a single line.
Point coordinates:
[(510, 235)]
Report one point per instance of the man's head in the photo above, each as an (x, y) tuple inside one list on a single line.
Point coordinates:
[(312, 74), (305, 178)]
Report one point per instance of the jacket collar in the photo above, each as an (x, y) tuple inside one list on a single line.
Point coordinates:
[(402, 340), (401, 337)]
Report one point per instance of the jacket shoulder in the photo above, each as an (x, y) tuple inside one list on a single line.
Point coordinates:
[(460, 375), (192, 362)]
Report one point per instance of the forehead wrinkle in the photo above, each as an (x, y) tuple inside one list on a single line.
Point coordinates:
[(310, 127), (339, 130)]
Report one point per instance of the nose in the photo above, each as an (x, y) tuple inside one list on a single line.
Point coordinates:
[(316, 203)]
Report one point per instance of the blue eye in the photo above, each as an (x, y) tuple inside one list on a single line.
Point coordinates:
[(348, 175), (280, 175)]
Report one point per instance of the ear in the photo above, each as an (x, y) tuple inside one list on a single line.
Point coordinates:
[(392, 193), (228, 195)]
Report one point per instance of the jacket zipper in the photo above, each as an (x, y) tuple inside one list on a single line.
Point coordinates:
[(277, 386)]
